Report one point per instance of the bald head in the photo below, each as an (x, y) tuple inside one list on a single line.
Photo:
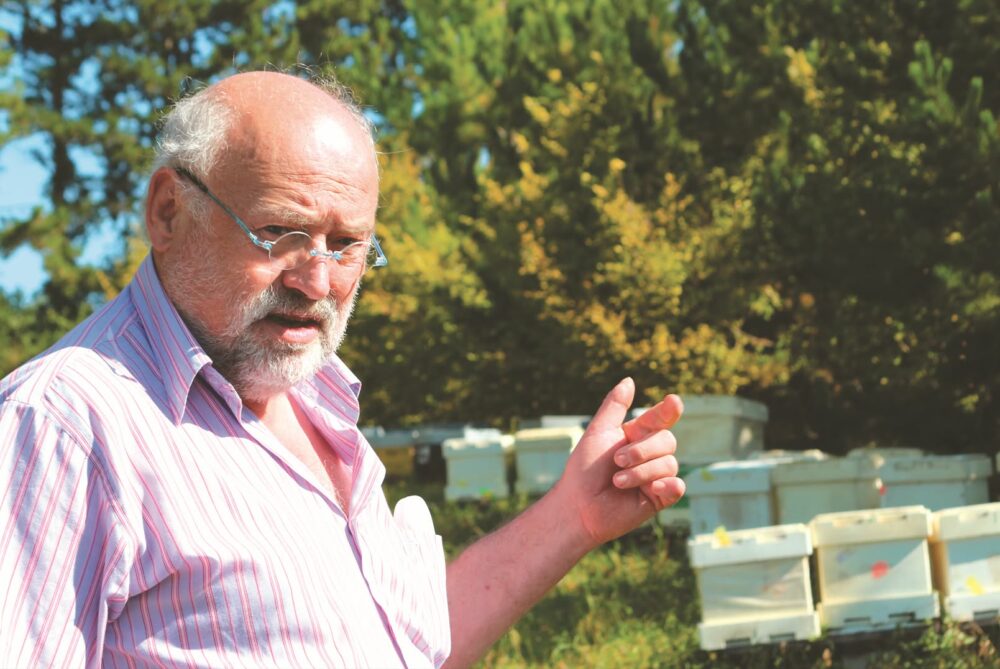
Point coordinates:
[(280, 118), (240, 117)]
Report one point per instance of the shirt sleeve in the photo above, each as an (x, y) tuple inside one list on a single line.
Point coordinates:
[(62, 546)]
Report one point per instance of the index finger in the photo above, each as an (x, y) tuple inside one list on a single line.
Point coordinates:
[(660, 417)]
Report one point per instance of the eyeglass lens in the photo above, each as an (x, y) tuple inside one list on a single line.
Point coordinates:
[(297, 248)]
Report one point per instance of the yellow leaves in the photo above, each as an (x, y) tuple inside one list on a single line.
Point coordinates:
[(802, 74), (554, 75), (616, 165), (537, 110), (520, 142), (954, 238), (532, 185)]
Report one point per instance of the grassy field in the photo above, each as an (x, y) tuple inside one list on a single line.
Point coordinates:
[(634, 603)]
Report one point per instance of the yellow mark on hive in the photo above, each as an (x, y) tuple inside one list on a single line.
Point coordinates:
[(973, 584)]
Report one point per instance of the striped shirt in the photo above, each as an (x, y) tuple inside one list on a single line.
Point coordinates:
[(148, 519)]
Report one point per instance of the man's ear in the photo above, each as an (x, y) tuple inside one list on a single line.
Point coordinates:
[(162, 208)]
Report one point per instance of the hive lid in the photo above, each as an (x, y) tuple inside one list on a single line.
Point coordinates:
[(877, 454), (966, 522), (696, 406), (381, 438), (781, 455), (752, 545), (871, 525), (730, 478), (436, 434), (821, 471), (557, 420), (547, 437), (452, 448), (935, 468)]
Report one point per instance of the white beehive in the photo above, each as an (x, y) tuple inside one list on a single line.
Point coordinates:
[(734, 495), (935, 481), (738, 494), (805, 489), (965, 552), (720, 427), (477, 467), (678, 516), (873, 569), (754, 586), (541, 454)]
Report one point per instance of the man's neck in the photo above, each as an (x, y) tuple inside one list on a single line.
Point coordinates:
[(289, 423)]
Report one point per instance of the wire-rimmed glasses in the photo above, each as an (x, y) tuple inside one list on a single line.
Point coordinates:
[(296, 248)]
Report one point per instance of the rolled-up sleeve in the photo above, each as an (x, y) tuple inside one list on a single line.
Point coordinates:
[(63, 550)]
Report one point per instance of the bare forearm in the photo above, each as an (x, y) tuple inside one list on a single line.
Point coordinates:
[(497, 579)]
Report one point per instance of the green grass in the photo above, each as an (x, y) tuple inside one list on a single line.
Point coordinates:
[(634, 603)]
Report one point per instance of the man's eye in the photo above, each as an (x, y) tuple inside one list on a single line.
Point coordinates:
[(274, 231), (341, 243)]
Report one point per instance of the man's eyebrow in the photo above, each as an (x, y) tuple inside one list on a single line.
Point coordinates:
[(264, 214), (272, 215)]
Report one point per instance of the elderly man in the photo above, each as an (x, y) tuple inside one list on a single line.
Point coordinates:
[(186, 485)]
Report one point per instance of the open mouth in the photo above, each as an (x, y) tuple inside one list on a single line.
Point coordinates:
[(293, 321)]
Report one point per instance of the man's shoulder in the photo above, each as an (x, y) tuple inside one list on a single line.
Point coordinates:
[(94, 357)]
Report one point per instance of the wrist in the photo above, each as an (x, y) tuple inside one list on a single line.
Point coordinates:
[(561, 506)]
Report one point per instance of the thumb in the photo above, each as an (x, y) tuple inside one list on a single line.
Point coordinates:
[(611, 414)]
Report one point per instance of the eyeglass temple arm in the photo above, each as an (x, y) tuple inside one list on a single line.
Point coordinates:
[(380, 259), (239, 221)]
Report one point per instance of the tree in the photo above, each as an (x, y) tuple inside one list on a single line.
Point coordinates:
[(872, 176)]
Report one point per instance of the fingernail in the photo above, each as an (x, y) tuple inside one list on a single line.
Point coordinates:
[(621, 459), (621, 478)]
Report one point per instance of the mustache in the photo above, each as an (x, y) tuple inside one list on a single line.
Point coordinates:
[(281, 300)]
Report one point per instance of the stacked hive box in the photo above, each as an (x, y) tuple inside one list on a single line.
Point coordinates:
[(806, 489), (935, 481), (754, 586), (541, 455), (395, 448), (965, 546), (477, 467), (429, 464), (714, 428), (873, 569), (721, 427), (734, 495), (737, 495)]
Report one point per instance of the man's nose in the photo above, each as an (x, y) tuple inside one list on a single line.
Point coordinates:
[(311, 278)]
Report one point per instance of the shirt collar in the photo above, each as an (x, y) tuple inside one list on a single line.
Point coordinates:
[(179, 355)]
